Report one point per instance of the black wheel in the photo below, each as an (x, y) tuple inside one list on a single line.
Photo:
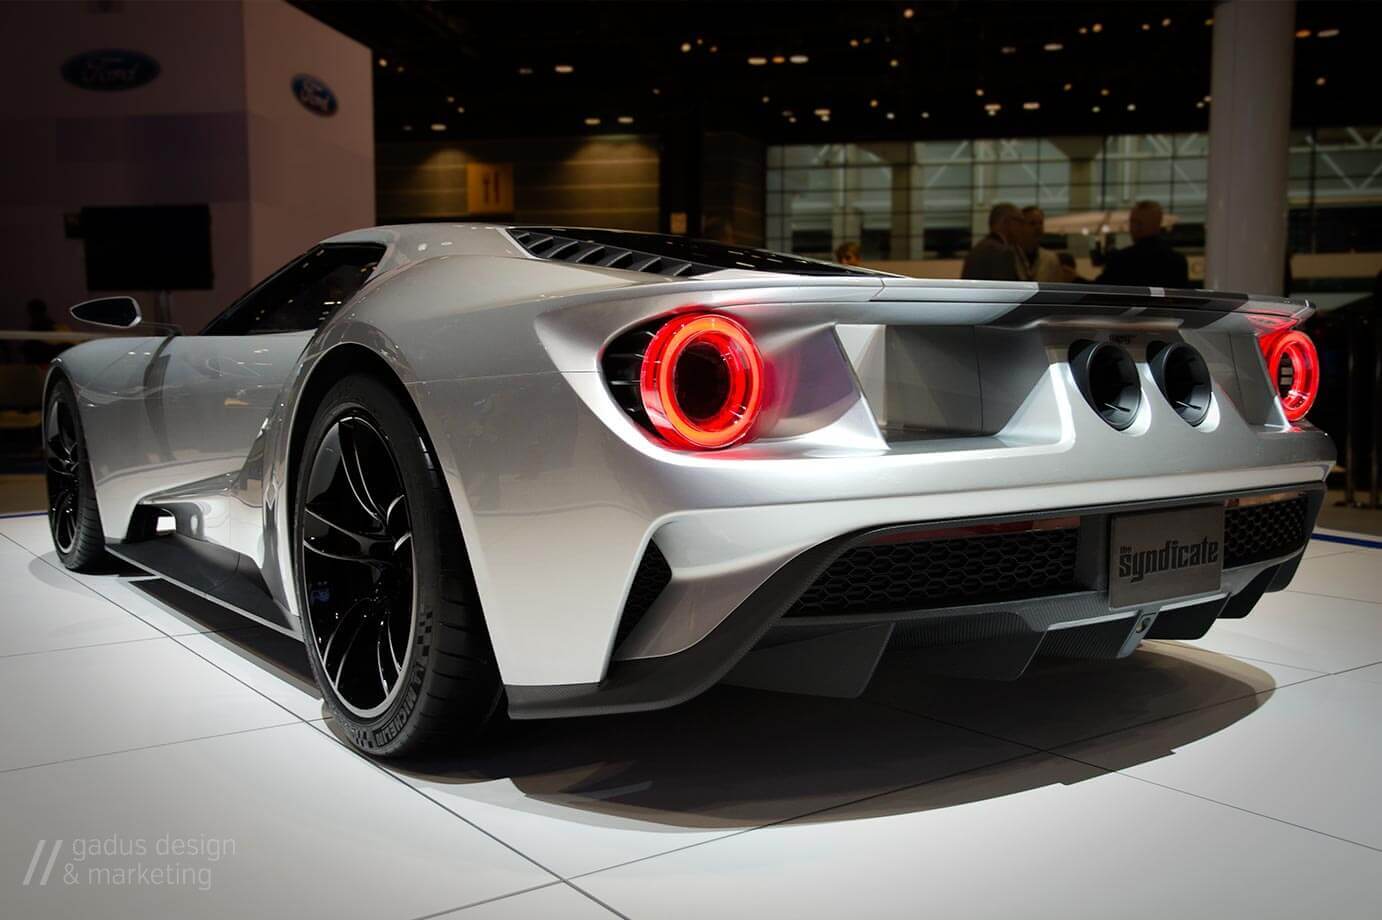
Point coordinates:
[(73, 517), (391, 616)]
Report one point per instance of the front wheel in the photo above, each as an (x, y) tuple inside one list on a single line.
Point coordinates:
[(391, 617), (73, 518)]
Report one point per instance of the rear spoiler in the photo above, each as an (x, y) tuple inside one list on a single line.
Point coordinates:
[(1019, 303)]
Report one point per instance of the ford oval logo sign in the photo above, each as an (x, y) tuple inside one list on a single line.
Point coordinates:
[(315, 96), (110, 69)]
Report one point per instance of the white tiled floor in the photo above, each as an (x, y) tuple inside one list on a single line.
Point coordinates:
[(1234, 776)]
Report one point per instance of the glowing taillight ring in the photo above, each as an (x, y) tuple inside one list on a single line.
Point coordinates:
[(1297, 348), (725, 350)]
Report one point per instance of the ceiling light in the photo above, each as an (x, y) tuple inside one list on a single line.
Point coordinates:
[(525, 71), (1094, 109), (1097, 27), (992, 112), (1319, 81), (825, 118), (1068, 87), (873, 103), (791, 119), (714, 49), (1166, 23), (925, 114), (891, 116), (383, 62), (438, 126), (656, 91), (868, 39), (1209, 21), (979, 91), (1053, 46), (451, 100), (854, 43), (1207, 99), (563, 68), (460, 110), (1084, 30), (767, 99), (1132, 106), (908, 13), (407, 127), (1031, 106), (1200, 104), (700, 39), (824, 113), (1302, 33), (685, 47), (399, 68), (786, 113), (779, 59), (1326, 33), (1104, 91), (1008, 49), (1146, 27), (625, 119), (757, 61), (799, 59), (893, 62), (592, 121)]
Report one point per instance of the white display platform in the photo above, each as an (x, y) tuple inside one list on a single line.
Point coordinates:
[(1231, 777)]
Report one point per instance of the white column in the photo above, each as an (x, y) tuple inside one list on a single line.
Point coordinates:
[(1249, 125)]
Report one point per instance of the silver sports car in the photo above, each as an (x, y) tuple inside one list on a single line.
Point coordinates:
[(546, 472)]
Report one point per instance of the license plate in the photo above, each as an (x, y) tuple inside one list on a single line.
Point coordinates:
[(1165, 555)]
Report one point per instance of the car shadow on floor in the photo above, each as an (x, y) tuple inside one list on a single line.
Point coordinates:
[(737, 758)]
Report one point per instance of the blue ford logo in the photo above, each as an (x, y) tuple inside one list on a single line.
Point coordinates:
[(315, 96), (110, 69)]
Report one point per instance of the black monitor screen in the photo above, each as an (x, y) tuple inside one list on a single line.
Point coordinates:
[(157, 248)]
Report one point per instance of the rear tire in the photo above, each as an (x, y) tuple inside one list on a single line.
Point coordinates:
[(74, 520), (391, 617)]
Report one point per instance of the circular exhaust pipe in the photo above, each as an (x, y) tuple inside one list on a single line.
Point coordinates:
[(1183, 378), (1107, 377)]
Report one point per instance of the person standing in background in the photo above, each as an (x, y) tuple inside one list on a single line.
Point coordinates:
[(1150, 260), (847, 253), (1042, 263), (996, 256)]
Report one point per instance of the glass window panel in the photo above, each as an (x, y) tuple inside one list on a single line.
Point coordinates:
[(813, 155)]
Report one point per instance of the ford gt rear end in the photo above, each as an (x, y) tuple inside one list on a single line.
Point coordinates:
[(772, 475)]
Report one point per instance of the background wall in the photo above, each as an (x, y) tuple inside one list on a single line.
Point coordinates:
[(609, 181), (219, 125)]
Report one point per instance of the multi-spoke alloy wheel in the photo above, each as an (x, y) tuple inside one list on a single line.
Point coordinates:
[(390, 614), (64, 479), (73, 517), (357, 565)]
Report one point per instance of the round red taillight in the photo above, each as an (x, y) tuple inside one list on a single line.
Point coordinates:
[(702, 381), (1294, 350)]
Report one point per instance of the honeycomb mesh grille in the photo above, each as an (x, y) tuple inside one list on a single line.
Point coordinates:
[(1254, 533), (648, 582), (889, 577)]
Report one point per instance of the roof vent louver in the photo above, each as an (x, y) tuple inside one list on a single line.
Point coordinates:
[(574, 249), (663, 254)]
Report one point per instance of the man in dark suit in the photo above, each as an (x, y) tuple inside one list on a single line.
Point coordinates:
[(1150, 260)]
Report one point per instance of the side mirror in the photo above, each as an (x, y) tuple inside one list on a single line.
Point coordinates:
[(119, 312)]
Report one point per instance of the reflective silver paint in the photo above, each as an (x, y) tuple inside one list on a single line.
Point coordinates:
[(557, 492)]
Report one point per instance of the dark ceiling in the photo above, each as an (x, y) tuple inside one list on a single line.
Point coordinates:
[(861, 71)]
